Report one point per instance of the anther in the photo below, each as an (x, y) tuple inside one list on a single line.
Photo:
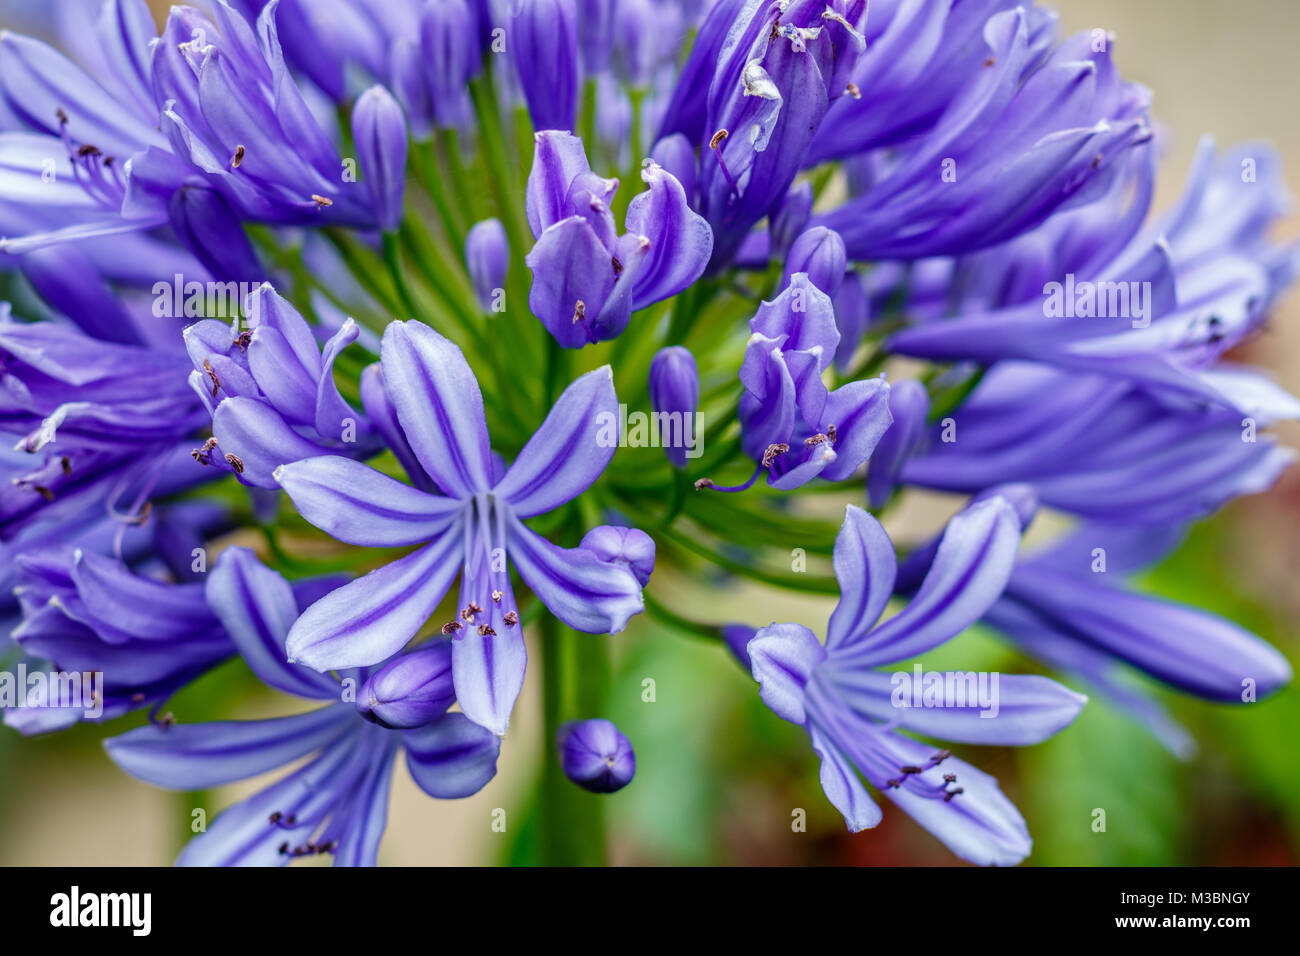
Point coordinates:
[(579, 311), (235, 462), (990, 61), (244, 339), (66, 464), (510, 619), (853, 91), (947, 797), (718, 137), (909, 769), (321, 201), (949, 778), (485, 630), (830, 433), (238, 157), (63, 117), (467, 613), (44, 492), (451, 627), (773, 452), (618, 266), (894, 782), (818, 439), (85, 149), (940, 757), (496, 597), (703, 483), (216, 382)]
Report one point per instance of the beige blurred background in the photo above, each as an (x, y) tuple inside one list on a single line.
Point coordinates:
[(1224, 68)]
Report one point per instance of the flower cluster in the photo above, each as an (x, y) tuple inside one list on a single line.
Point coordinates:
[(315, 315)]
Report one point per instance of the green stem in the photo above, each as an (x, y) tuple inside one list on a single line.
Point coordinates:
[(393, 259)]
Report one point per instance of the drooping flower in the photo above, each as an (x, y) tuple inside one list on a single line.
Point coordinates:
[(475, 524), (587, 281), (794, 427), (95, 424), (759, 80), (847, 705), (1104, 448), (334, 803), (596, 755), (270, 390), (143, 630), (1024, 137)]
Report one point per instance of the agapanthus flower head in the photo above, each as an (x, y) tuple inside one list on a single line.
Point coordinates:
[(596, 755), (587, 279)]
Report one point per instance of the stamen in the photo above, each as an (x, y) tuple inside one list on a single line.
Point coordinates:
[(451, 627), (485, 630), (703, 483), (818, 439), (773, 452), (510, 619), (618, 266), (238, 157), (579, 312), (204, 455), (235, 462), (321, 201), (715, 144), (947, 797), (216, 382), (467, 613), (909, 769), (66, 464), (496, 596), (853, 91), (830, 433), (44, 492)]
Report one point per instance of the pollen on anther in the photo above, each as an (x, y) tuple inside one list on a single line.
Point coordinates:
[(238, 157), (235, 462), (718, 137)]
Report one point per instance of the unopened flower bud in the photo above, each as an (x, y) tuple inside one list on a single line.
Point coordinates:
[(628, 546), (596, 756), (411, 690), (789, 220), (544, 44), (487, 257), (379, 130), (675, 392), (819, 252)]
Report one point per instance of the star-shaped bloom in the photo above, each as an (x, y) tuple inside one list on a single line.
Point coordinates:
[(434, 419), (850, 708)]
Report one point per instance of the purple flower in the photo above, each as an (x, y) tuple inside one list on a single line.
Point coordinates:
[(630, 547), (1104, 448), (379, 131), (94, 424), (587, 281), (487, 258), (1095, 290), (543, 41), (334, 803), (475, 525), (1069, 606), (1024, 136), (793, 425), (675, 398), (850, 710), (410, 690), (596, 756), (271, 391), (819, 252), (90, 614), (773, 78)]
